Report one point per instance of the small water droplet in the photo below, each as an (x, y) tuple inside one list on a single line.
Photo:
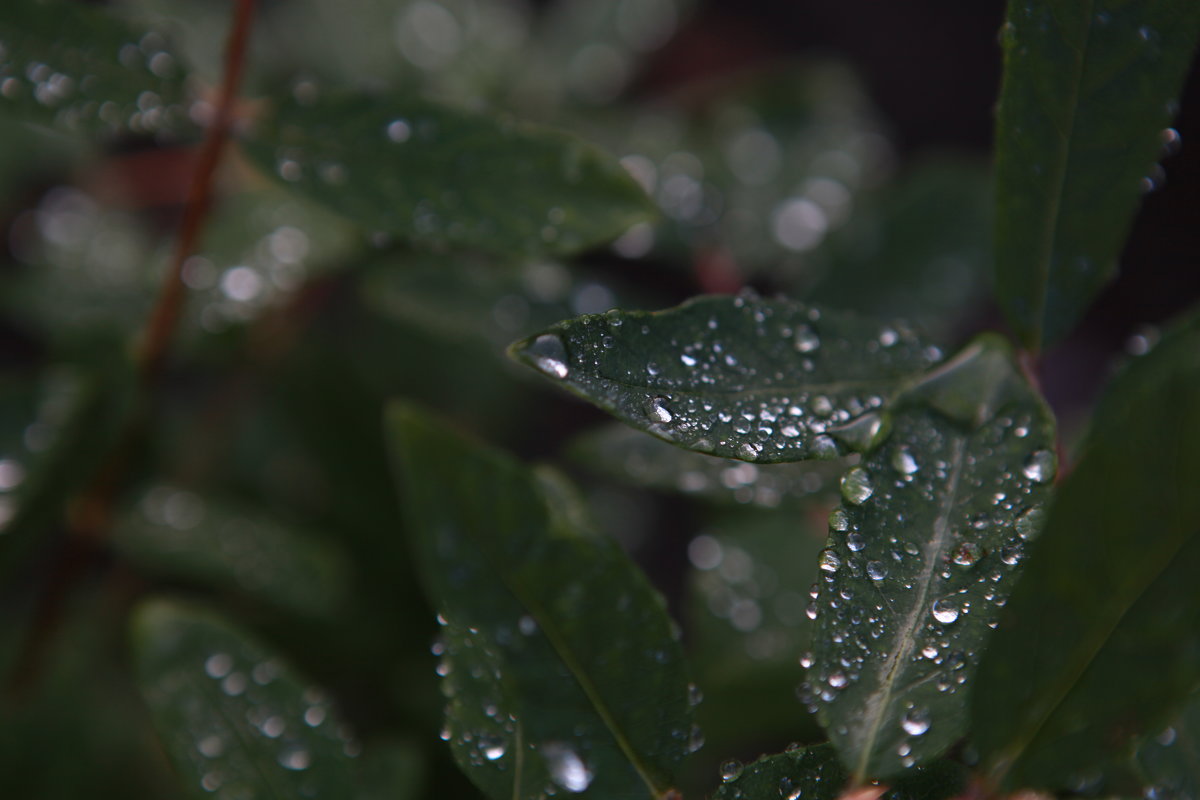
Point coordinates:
[(731, 770), (856, 486), (789, 789), (888, 337), (837, 680), (688, 360), (657, 410), (1040, 466), (806, 660), (566, 767), (295, 759), (493, 747), (830, 560), (838, 520), (945, 611), (806, 339), (904, 462), (855, 541), (876, 570), (916, 722), (695, 696), (549, 355)]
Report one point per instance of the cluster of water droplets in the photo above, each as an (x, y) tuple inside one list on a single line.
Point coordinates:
[(922, 553), (804, 772), (746, 378)]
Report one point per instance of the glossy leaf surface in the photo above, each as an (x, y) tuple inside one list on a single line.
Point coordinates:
[(537, 700), (83, 69), (1109, 597), (442, 176), (922, 553), (745, 378), (233, 718), (176, 534), (1088, 90)]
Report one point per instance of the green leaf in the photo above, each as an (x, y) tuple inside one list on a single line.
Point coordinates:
[(178, 534), (232, 717), (814, 773), (1170, 760), (1088, 89), (538, 700), (82, 69), (78, 422), (631, 456), (756, 380), (921, 556), (440, 176), (1108, 599)]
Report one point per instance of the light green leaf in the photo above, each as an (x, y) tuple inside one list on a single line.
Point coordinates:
[(631, 456), (756, 380), (178, 534), (232, 716), (1109, 597), (1088, 90), (82, 69), (440, 176), (921, 556), (537, 700)]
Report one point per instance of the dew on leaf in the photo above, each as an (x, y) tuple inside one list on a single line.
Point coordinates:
[(566, 767), (805, 339), (549, 355), (789, 789), (876, 570), (731, 770), (1040, 466), (904, 462), (657, 410), (945, 611), (829, 561), (856, 486), (916, 722)]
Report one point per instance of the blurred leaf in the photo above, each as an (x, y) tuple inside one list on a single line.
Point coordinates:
[(630, 456), (918, 248), (537, 700), (81, 69), (1109, 596), (747, 626), (442, 176), (232, 716), (391, 771), (1087, 91), (756, 380), (79, 420), (1170, 760), (177, 534), (921, 556)]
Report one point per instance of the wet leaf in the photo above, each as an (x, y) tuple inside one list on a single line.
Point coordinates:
[(756, 380), (440, 176), (922, 554), (232, 716), (178, 534), (630, 456), (536, 699), (1109, 596), (1170, 759), (82, 69), (1087, 93)]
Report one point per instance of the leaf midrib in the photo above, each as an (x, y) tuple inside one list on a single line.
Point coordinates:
[(879, 701), (1059, 181)]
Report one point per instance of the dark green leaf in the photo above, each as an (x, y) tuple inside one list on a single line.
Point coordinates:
[(80, 68), (1170, 760), (1088, 89), (632, 456), (178, 534), (1109, 597), (921, 556), (442, 176), (78, 422), (538, 698), (232, 716), (756, 380), (813, 774)]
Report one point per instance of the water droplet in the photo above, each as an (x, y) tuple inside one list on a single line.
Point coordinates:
[(295, 759), (805, 339), (688, 360), (916, 722), (888, 337), (855, 541), (1166, 738), (945, 611), (1040, 466), (806, 660), (861, 433), (695, 696), (966, 554), (856, 486), (876, 570), (657, 410), (566, 767), (838, 521), (789, 789), (492, 747), (830, 560), (731, 770), (837, 680), (549, 355), (904, 462), (218, 665)]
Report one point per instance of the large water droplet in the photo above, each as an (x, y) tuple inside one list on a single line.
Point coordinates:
[(549, 355), (855, 541), (731, 770), (1040, 466), (915, 722), (566, 767), (945, 611), (657, 410), (876, 570), (856, 486), (493, 747)]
